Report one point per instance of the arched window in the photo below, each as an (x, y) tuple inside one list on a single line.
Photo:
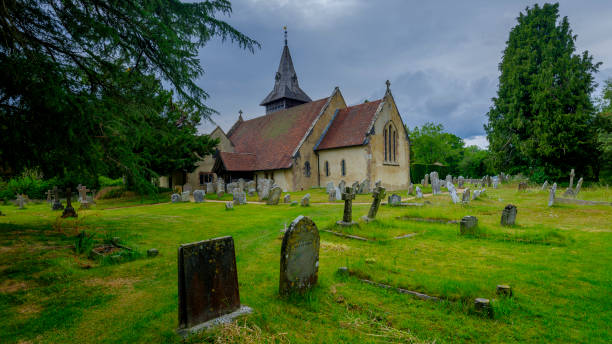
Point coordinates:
[(307, 168), (394, 137), (385, 139), (327, 169), (343, 167), (390, 137)]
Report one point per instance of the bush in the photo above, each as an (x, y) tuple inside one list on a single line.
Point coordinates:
[(539, 176), (106, 181), (29, 184)]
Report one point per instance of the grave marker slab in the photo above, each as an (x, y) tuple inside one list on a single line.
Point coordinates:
[(198, 196), (465, 198), (395, 200), (305, 202), (175, 198), (57, 204), (508, 217), (452, 191), (468, 225), (274, 197), (299, 263)]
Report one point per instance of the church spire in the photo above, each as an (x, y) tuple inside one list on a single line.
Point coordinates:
[(286, 92)]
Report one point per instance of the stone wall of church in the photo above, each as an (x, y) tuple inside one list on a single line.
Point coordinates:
[(356, 160)]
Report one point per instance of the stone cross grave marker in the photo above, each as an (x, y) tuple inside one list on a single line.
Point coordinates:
[(299, 263), (207, 283), (572, 175), (69, 210), (377, 195), (508, 217), (83, 196), (419, 192), (551, 195), (57, 204), (347, 196), (274, 197), (198, 196)]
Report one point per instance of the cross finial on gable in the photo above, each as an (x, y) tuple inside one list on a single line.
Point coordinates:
[(388, 83), (285, 28)]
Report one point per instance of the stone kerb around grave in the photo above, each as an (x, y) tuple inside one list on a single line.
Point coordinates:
[(299, 263), (207, 284)]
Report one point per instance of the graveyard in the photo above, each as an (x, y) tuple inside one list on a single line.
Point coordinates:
[(406, 274)]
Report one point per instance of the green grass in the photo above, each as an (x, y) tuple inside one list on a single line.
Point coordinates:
[(557, 261)]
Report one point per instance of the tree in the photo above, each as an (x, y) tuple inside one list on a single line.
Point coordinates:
[(90, 87), (542, 117), (430, 144), (604, 133)]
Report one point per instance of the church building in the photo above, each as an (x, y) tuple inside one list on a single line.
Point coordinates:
[(301, 143)]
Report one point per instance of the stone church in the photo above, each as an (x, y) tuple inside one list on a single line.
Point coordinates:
[(301, 143)]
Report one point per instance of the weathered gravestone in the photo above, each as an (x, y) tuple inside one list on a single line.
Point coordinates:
[(69, 210), (83, 197), (395, 200), (572, 175), (299, 263), (347, 196), (49, 193), (274, 197), (220, 188), (465, 198), (378, 183), (175, 198), (419, 192), (287, 198), (185, 196), (239, 197), (364, 187), (338, 193), (578, 187), (522, 186), (342, 185), (57, 204), (426, 182), (329, 187), (495, 182), (207, 284), (468, 225), (378, 194), (198, 196), (21, 201), (241, 184), (410, 189), (305, 202), (264, 189), (460, 181), (355, 187), (508, 217), (453, 192), (229, 205), (331, 196), (551, 195), (210, 188), (251, 192), (545, 185)]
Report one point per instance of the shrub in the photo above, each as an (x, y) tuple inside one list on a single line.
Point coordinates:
[(29, 184), (106, 181)]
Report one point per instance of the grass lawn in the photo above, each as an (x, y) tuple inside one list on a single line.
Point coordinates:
[(558, 261)]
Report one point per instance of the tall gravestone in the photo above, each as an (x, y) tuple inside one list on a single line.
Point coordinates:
[(508, 217), (331, 196), (299, 263), (275, 195), (342, 185), (347, 196), (460, 181), (378, 194), (220, 188), (410, 189), (210, 188), (572, 175), (20, 201), (69, 210), (551, 195), (329, 187), (452, 191), (426, 182), (207, 283), (578, 187), (49, 194)]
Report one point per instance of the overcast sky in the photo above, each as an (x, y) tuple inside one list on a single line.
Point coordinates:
[(440, 56)]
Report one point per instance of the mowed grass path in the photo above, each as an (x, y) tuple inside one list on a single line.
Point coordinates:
[(558, 261)]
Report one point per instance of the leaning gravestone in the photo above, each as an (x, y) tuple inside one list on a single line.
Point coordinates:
[(551, 195), (299, 263), (287, 198), (419, 192), (395, 200), (175, 198), (305, 200), (198, 196), (452, 191), (274, 197), (185, 196), (347, 218), (207, 284), (378, 194), (578, 187), (410, 189), (468, 225), (69, 210), (508, 217)]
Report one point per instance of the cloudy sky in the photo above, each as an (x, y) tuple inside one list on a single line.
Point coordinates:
[(440, 56)]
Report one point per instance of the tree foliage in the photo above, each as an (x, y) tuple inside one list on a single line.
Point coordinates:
[(92, 87), (604, 132), (543, 116)]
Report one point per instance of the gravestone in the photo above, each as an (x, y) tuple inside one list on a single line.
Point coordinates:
[(331, 196), (57, 204), (210, 188), (239, 197), (453, 192), (378, 194), (423, 182), (21, 201), (305, 202), (338, 193), (175, 198), (198, 196), (468, 225), (395, 200), (426, 180), (265, 187), (251, 185), (572, 175), (551, 195), (207, 283), (347, 218), (220, 188), (83, 196), (251, 192), (229, 205), (465, 198), (49, 193), (508, 217), (329, 187), (449, 179), (364, 187), (410, 189), (341, 185), (419, 192), (274, 197), (522, 186), (489, 181), (578, 187), (460, 181), (185, 196), (92, 199), (355, 187), (545, 185), (241, 184), (287, 198), (299, 263), (495, 182), (69, 210), (378, 183)]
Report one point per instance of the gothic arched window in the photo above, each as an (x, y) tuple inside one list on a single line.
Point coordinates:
[(343, 167), (307, 168), (385, 139), (390, 137), (327, 168)]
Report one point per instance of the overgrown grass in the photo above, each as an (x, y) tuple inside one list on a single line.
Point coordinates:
[(555, 258)]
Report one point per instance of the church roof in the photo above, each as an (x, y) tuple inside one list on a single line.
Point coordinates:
[(238, 161), (286, 82), (349, 126), (272, 139)]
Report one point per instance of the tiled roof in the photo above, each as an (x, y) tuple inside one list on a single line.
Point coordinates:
[(274, 137), (349, 126), (238, 161)]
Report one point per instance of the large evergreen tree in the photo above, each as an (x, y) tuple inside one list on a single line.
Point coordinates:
[(90, 87), (542, 118)]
